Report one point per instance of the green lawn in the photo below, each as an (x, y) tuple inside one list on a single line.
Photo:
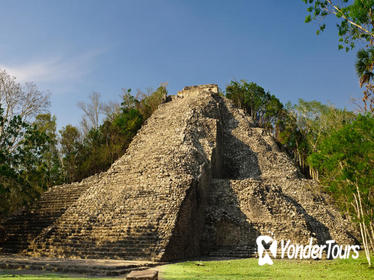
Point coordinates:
[(244, 269), (282, 269)]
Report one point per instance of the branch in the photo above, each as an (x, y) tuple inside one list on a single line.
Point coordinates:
[(346, 18)]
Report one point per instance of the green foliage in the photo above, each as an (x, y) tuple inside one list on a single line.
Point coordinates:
[(331, 145), (345, 161), (346, 158), (150, 103), (364, 69), (355, 23), (263, 107), (315, 120), (268, 112), (101, 146), (310, 123), (299, 128), (23, 166), (45, 123), (355, 19), (70, 149), (364, 65)]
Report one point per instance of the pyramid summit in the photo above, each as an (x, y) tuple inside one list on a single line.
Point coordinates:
[(198, 179)]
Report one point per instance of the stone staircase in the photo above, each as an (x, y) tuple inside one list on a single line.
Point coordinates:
[(126, 234), (22, 228), (146, 206)]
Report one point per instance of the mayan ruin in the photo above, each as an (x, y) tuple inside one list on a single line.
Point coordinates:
[(199, 179), (186, 140)]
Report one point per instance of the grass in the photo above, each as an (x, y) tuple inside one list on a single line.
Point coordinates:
[(241, 269), (282, 269)]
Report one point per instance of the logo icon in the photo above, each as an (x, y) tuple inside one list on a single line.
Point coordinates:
[(266, 247)]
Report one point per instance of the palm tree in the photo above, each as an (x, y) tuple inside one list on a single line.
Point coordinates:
[(364, 69), (364, 65)]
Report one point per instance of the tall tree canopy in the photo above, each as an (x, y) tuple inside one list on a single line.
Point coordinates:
[(355, 19), (99, 144), (23, 168), (355, 24), (345, 161), (25, 144), (263, 107)]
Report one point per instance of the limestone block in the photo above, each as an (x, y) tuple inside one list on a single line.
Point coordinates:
[(148, 274)]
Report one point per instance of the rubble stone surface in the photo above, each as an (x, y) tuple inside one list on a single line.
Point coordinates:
[(198, 179)]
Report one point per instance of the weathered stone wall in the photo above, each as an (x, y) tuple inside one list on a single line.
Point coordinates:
[(198, 178), (263, 192), (149, 203)]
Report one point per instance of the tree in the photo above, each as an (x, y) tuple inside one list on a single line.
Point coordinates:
[(355, 19), (298, 128), (24, 173), (364, 69), (46, 123), (149, 102), (128, 101), (101, 144), (313, 122), (25, 102), (345, 161), (70, 149), (262, 106), (355, 24), (92, 111), (22, 168), (129, 122), (110, 109)]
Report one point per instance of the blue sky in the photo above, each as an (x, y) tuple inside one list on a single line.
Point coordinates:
[(75, 47)]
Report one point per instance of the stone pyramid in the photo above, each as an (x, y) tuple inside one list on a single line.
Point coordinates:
[(199, 179)]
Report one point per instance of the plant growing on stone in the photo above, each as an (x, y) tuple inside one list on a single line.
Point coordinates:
[(263, 107)]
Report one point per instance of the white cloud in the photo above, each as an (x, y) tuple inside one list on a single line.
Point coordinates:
[(54, 69)]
